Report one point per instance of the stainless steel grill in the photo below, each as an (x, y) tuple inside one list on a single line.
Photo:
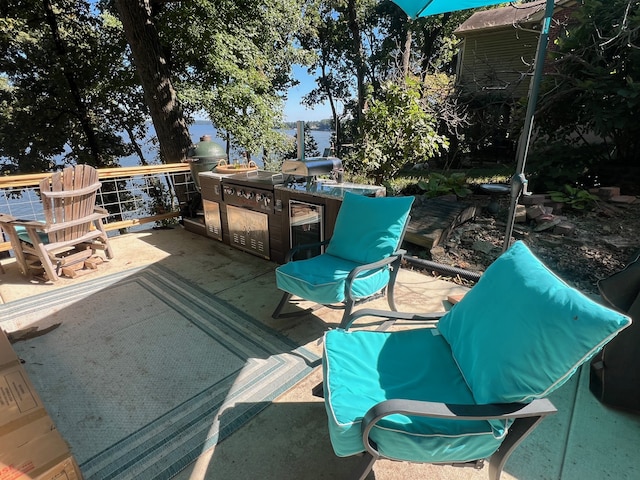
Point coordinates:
[(250, 208), (312, 166)]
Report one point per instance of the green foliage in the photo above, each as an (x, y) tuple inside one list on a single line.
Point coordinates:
[(594, 88), (360, 44), (397, 129), (574, 197), (439, 184), (558, 163), (65, 89), (233, 61)]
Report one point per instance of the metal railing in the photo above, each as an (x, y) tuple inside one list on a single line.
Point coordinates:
[(132, 195)]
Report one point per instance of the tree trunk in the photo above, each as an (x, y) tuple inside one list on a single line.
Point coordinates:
[(431, 34), (406, 54), (358, 54), (324, 84), (152, 65)]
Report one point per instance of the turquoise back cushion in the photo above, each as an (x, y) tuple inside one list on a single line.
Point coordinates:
[(368, 229), (521, 332)]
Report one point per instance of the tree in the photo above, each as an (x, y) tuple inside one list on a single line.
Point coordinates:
[(63, 88), (594, 89), (153, 64), (333, 86), (342, 36), (398, 128), (233, 62)]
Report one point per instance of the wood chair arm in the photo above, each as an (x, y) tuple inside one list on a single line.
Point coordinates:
[(17, 222)]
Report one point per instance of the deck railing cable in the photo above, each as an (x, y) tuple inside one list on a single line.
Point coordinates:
[(132, 195)]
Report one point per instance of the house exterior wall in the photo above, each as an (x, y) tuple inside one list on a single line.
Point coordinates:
[(497, 61), (497, 57)]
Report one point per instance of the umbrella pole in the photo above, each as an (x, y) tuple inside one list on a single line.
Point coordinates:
[(518, 181)]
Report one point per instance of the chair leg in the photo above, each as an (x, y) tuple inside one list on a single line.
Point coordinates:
[(283, 301), (348, 310), (391, 298), (395, 267), (43, 255), (520, 428), (16, 245), (105, 240), (365, 467), (48, 265)]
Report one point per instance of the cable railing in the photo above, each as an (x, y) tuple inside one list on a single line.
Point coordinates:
[(133, 196)]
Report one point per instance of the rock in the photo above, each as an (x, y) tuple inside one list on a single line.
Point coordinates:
[(483, 246), (555, 207), (600, 244), (621, 242), (623, 199), (564, 228), (534, 199), (534, 211), (438, 254), (546, 222), (521, 214), (608, 192)]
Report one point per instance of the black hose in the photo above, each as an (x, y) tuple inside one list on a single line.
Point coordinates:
[(441, 268)]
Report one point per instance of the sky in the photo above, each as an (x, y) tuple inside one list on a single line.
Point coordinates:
[(293, 110)]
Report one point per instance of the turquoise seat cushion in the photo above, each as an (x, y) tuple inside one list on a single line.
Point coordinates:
[(24, 235), (521, 332), (322, 279), (369, 229), (363, 368)]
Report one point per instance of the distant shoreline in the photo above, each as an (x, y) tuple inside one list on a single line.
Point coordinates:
[(320, 125)]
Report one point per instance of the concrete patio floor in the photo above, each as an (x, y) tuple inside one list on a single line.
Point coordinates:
[(289, 439)]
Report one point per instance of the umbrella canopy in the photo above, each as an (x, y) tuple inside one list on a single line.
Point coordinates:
[(423, 8)]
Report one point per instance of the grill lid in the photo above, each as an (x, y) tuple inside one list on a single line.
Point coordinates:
[(312, 166), (258, 176)]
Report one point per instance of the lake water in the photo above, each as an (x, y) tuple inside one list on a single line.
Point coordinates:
[(26, 204), (322, 138)]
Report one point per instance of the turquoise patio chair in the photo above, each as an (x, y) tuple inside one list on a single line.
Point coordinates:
[(361, 260), (472, 387)]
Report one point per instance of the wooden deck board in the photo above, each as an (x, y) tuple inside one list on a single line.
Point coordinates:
[(433, 220)]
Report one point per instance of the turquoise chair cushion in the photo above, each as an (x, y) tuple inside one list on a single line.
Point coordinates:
[(521, 332), (362, 368), (24, 235), (322, 279), (368, 229)]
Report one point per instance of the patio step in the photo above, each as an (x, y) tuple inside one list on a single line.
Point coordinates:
[(433, 220)]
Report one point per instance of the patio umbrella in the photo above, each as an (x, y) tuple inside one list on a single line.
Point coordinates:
[(423, 8)]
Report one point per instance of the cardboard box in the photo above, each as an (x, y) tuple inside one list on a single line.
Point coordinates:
[(31, 450), (7, 354), (65, 470), (31, 447), (19, 402)]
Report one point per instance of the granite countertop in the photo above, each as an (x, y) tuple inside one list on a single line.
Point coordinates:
[(331, 189)]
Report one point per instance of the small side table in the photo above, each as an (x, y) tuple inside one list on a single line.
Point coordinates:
[(495, 190)]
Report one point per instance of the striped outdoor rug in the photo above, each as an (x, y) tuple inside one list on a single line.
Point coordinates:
[(147, 370)]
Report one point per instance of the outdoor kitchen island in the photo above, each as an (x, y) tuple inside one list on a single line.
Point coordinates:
[(267, 213)]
